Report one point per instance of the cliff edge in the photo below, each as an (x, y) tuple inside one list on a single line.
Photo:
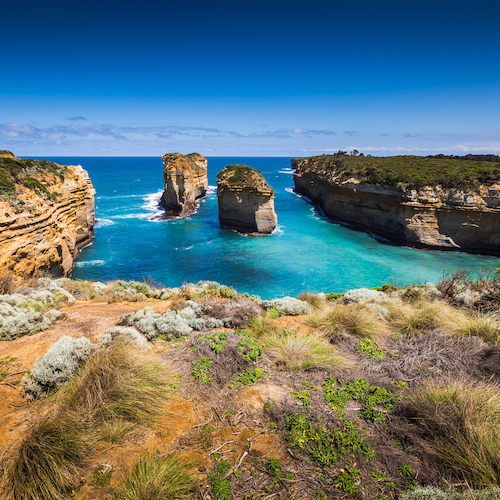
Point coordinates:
[(246, 200), (434, 202), (185, 181), (46, 215)]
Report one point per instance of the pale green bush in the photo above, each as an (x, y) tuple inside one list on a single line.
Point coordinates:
[(287, 306), (432, 493), (363, 295), (16, 321), (120, 331), (56, 366)]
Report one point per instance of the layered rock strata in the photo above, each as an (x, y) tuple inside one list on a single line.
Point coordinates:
[(429, 217), (246, 200), (46, 215), (185, 181)]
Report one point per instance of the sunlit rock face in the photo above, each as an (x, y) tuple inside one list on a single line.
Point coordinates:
[(185, 181), (246, 200), (430, 217), (46, 218)]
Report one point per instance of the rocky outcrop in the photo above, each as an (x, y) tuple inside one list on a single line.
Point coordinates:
[(246, 200), (430, 217), (46, 215), (185, 181)]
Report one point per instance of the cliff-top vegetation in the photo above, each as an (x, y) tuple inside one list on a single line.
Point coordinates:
[(386, 393), (239, 174), (466, 172), (26, 172), (190, 159)]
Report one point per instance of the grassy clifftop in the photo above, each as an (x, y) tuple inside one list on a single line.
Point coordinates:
[(466, 173), (387, 393), (29, 173), (192, 159)]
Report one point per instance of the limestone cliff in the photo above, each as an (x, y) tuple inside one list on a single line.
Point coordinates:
[(185, 181), (430, 216), (246, 200), (46, 215)]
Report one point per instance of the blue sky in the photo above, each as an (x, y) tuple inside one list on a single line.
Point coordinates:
[(266, 78)]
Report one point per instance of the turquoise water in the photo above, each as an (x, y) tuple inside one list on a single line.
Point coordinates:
[(305, 253)]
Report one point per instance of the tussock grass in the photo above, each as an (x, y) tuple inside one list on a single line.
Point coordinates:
[(260, 325), (155, 478), (119, 382), (465, 323), (47, 463), (352, 319), (314, 300), (413, 319), (295, 350), (114, 430), (462, 424), (117, 385)]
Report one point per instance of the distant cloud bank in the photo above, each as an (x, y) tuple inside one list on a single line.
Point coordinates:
[(86, 139)]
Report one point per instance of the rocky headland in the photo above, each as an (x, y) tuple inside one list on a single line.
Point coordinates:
[(185, 181), (434, 202), (246, 200), (46, 215)]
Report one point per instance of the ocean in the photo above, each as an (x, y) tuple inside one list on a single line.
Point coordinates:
[(306, 252)]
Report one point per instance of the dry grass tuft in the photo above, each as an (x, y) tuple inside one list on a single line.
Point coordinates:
[(156, 478), (47, 464), (314, 300), (261, 325), (353, 319), (292, 349), (461, 420), (413, 319), (114, 430), (465, 323), (119, 382)]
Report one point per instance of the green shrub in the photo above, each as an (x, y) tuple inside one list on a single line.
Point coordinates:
[(323, 445), (201, 369), (220, 486), (248, 377), (370, 349), (302, 397), (274, 466)]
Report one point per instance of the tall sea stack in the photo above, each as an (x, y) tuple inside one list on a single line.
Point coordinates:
[(185, 181), (246, 200)]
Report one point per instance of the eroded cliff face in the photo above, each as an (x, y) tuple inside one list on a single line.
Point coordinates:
[(246, 200), (185, 181), (431, 217), (46, 216)]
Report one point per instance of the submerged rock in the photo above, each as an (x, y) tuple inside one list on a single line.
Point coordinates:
[(246, 200), (185, 181)]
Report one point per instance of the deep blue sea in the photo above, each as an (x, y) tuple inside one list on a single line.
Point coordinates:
[(305, 253)]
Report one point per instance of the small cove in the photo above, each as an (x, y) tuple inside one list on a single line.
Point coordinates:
[(305, 253)]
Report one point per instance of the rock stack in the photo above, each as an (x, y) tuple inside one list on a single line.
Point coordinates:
[(185, 181), (246, 200)]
